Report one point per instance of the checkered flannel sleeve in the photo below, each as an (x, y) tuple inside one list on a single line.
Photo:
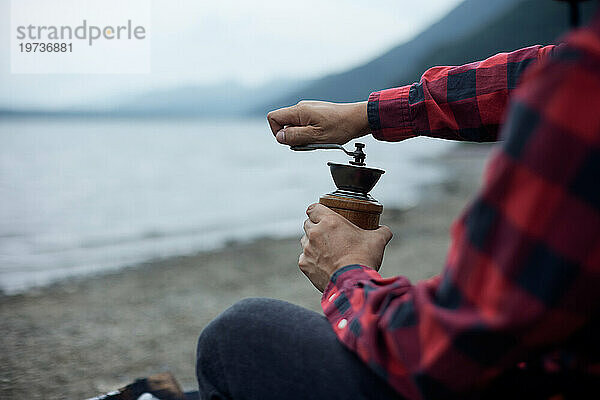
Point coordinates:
[(522, 275), (462, 103)]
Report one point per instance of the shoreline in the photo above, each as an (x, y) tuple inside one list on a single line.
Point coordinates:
[(87, 335)]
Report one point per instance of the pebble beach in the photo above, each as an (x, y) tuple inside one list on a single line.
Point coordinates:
[(81, 337)]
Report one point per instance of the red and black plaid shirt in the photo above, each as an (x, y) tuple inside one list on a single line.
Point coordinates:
[(516, 309)]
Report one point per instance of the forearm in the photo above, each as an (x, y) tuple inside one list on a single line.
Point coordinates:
[(460, 103)]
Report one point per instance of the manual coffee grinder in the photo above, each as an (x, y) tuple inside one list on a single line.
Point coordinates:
[(354, 181)]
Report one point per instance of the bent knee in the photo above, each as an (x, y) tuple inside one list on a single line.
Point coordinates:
[(233, 321)]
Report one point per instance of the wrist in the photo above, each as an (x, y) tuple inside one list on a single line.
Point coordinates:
[(351, 260), (359, 118)]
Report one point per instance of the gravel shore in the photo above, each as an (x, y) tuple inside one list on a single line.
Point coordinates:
[(79, 338)]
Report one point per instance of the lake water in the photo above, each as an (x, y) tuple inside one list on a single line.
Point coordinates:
[(85, 196)]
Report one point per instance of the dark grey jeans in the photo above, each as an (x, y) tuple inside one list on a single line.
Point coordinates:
[(269, 349)]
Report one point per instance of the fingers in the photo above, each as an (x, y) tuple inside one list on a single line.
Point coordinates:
[(282, 117), (302, 262), (297, 135), (304, 241), (288, 127), (317, 211), (308, 225)]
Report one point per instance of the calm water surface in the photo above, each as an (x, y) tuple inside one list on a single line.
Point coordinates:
[(85, 196)]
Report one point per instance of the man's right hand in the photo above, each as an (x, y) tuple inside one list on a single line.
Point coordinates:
[(319, 122)]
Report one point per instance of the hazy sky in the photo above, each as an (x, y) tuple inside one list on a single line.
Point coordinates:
[(253, 42)]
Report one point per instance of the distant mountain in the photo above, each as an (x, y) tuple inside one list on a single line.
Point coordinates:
[(357, 83), (225, 99), (472, 31), (232, 99), (216, 100), (529, 23)]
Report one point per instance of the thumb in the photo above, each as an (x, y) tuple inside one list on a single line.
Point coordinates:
[(296, 135), (316, 212)]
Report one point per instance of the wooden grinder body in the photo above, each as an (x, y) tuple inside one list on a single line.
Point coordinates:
[(362, 213)]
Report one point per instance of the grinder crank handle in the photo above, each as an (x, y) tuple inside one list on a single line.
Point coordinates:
[(325, 146), (358, 154)]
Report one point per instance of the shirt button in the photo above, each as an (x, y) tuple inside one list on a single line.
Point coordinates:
[(342, 324), (333, 296)]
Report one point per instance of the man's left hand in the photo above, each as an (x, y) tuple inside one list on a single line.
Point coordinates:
[(331, 242)]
